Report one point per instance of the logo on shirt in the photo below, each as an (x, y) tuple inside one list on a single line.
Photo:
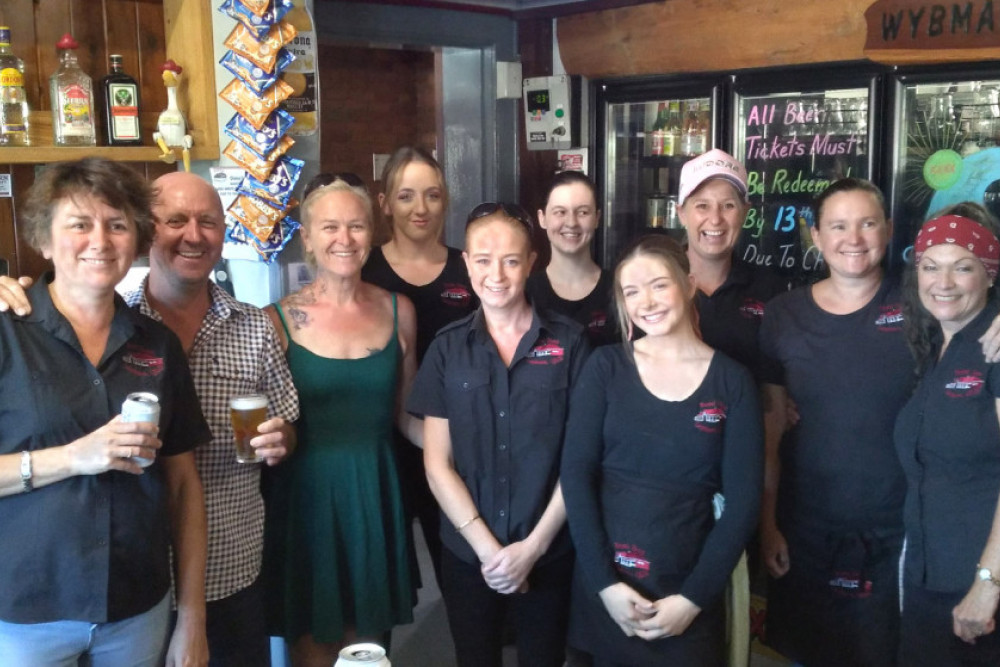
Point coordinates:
[(597, 320), (967, 384), (752, 308), (851, 585), (710, 417), (890, 318), (455, 295), (142, 362), (631, 559), (548, 352)]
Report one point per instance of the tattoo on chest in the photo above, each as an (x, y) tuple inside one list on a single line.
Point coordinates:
[(300, 318)]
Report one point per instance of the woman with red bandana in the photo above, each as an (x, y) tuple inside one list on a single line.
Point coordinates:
[(948, 440)]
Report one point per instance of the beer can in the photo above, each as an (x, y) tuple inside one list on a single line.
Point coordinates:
[(141, 406), (362, 655)]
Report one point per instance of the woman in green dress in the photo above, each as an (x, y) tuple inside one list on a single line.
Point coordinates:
[(336, 560)]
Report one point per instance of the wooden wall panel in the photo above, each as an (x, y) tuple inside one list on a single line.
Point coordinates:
[(152, 53), (710, 35), (121, 36)]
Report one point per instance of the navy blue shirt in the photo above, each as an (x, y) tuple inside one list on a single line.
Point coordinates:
[(948, 439), (849, 376), (730, 318), (596, 311), (91, 547), (506, 423)]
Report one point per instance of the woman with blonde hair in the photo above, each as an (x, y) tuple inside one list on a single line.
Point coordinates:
[(658, 427), (336, 555)]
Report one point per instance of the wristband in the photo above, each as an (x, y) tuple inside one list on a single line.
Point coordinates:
[(26, 484)]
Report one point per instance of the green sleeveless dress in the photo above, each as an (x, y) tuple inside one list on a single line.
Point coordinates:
[(335, 544)]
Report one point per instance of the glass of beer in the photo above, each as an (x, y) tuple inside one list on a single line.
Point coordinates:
[(247, 413)]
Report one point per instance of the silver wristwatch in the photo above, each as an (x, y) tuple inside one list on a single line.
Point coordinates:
[(985, 574)]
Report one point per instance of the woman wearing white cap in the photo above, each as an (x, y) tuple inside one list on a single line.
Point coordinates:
[(731, 294)]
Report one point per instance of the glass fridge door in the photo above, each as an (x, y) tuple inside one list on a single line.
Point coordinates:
[(646, 143), (947, 151), (794, 144)]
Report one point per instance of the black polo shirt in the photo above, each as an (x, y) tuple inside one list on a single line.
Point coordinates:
[(948, 440), (506, 424), (730, 318), (91, 547)]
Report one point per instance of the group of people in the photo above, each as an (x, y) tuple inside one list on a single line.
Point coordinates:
[(588, 451)]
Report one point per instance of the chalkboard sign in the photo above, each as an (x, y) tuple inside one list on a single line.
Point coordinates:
[(794, 146)]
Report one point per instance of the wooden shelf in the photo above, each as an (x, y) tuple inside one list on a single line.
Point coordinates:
[(50, 153)]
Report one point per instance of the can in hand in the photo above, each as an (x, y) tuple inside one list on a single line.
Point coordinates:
[(141, 406), (362, 655)]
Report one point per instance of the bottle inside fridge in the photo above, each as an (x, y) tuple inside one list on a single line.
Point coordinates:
[(647, 143)]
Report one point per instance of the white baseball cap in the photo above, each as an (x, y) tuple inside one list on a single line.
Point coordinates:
[(713, 164)]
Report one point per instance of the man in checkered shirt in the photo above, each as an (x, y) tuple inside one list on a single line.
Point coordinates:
[(232, 350)]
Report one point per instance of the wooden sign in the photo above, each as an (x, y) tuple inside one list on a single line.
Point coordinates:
[(915, 31)]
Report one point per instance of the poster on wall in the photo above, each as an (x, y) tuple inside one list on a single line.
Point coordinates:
[(794, 145), (303, 103)]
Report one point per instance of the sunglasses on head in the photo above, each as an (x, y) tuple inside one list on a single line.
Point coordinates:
[(512, 211)]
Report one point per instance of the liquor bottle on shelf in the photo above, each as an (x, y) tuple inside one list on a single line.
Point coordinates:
[(72, 98), (13, 100), (659, 125), (119, 104), (672, 133)]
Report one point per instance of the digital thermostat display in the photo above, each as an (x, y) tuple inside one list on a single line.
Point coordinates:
[(538, 100)]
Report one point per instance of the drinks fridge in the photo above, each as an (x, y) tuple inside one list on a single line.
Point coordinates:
[(946, 144), (647, 129)]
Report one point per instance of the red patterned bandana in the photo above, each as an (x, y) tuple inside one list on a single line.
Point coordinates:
[(962, 232)]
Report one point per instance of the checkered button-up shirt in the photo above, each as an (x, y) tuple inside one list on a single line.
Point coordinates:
[(235, 352)]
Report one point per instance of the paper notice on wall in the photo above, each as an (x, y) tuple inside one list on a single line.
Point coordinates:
[(303, 103), (573, 159), (6, 189), (225, 180)]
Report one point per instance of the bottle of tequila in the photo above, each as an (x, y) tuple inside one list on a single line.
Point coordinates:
[(13, 101), (72, 98)]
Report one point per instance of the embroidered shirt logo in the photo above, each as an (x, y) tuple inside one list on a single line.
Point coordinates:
[(967, 384), (631, 559), (710, 417), (890, 318), (752, 308), (455, 295), (851, 585), (142, 362), (548, 351), (597, 320)]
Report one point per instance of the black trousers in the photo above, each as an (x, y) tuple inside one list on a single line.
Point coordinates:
[(476, 613), (927, 637), (237, 632)]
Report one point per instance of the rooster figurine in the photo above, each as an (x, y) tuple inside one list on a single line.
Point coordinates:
[(171, 127)]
